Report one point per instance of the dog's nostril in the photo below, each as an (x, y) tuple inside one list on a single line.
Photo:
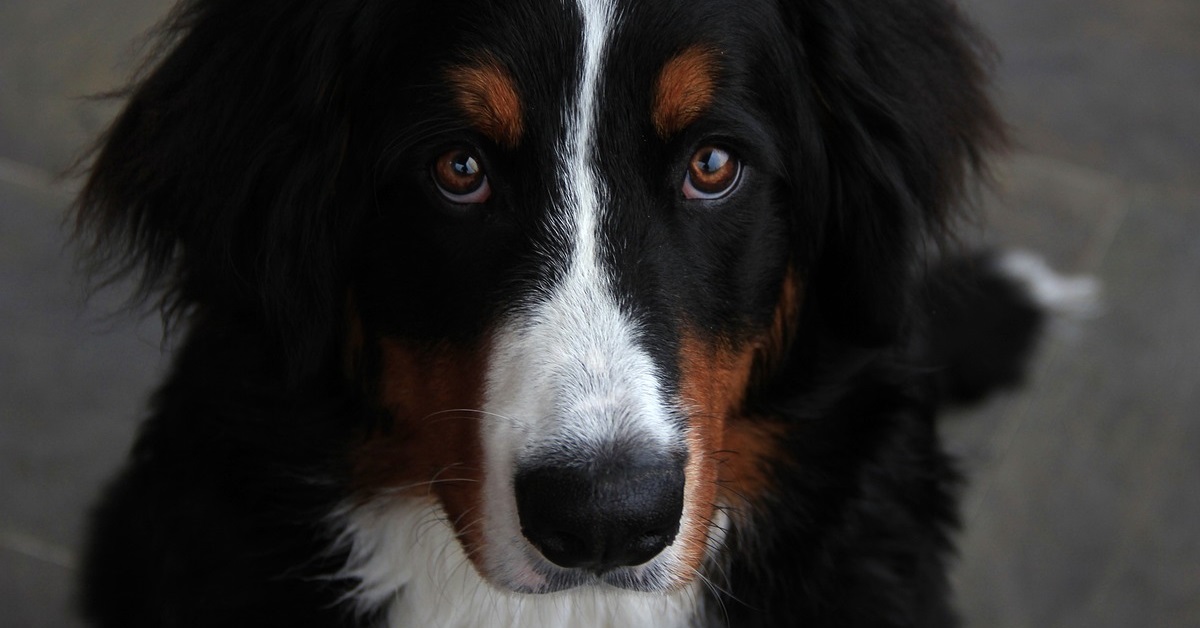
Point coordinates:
[(600, 519)]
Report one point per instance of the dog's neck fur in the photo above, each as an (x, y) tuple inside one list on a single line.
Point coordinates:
[(412, 571)]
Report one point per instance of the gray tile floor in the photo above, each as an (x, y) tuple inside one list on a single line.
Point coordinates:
[(1084, 503)]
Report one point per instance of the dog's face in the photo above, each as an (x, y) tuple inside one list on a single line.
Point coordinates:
[(570, 251), (581, 253)]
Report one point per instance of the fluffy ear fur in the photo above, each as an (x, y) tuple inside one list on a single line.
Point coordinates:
[(904, 119), (215, 186)]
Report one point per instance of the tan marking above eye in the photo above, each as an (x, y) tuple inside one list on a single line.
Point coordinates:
[(487, 95), (684, 90)]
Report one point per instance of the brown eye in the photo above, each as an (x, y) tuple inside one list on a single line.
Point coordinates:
[(712, 173), (459, 176)]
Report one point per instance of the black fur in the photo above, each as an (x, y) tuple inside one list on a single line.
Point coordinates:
[(987, 327), (274, 161), (217, 518)]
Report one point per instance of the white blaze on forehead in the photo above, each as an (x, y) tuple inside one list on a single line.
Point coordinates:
[(578, 179), (570, 368)]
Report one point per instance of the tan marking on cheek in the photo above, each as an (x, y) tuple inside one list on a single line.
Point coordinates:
[(752, 441), (715, 376), (684, 90), (433, 447), (773, 347), (729, 450), (486, 93), (749, 443)]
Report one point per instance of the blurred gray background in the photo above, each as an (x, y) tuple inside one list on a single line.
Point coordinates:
[(1084, 503)]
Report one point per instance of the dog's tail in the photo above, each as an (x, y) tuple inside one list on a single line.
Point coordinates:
[(986, 313)]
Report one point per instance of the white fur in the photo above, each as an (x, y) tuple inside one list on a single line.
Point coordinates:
[(1077, 295), (405, 556)]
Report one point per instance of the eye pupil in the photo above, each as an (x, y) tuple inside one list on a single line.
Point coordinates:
[(465, 164)]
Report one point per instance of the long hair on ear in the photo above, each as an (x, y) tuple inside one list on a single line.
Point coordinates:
[(215, 187), (905, 122)]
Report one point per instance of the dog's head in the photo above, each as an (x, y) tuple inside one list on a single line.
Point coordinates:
[(567, 247)]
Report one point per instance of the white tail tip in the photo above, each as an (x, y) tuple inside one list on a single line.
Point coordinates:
[(1076, 296)]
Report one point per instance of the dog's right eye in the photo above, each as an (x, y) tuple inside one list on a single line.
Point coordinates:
[(459, 176)]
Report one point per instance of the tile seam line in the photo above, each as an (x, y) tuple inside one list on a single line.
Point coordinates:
[(30, 546), (34, 178), (1074, 167)]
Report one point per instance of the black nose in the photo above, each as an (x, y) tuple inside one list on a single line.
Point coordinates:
[(601, 518)]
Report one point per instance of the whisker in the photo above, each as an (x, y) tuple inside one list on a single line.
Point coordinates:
[(718, 593), (469, 413)]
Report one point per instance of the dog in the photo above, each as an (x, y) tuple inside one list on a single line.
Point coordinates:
[(548, 313)]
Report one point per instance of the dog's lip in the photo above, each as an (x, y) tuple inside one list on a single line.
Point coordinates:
[(570, 579), (538, 576)]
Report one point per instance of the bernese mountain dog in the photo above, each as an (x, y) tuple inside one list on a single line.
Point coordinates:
[(547, 313)]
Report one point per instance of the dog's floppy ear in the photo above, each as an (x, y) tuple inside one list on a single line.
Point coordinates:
[(215, 184), (904, 118)]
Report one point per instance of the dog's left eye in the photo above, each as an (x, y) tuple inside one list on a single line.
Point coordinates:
[(460, 177), (712, 173)]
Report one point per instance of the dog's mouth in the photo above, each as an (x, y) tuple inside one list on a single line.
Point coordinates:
[(538, 576), (617, 494), (585, 466)]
